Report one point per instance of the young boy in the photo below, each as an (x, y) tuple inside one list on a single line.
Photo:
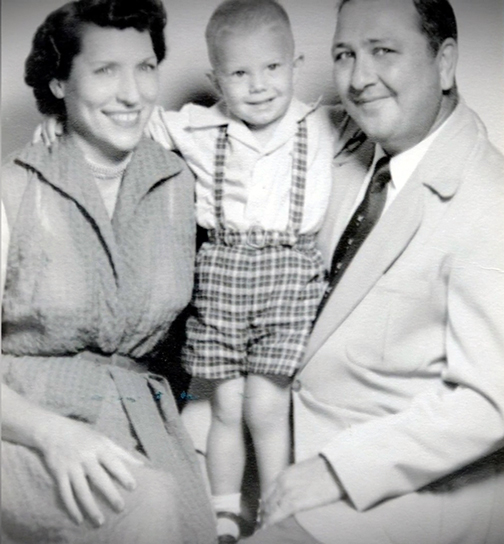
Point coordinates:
[(263, 166)]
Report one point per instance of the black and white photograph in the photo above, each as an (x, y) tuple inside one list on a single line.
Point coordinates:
[(252, 272)]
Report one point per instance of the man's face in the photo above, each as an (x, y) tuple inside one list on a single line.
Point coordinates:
[(388, 78)]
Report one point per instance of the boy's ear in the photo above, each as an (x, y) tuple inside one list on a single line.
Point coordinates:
[(57, 88), (297, 64), (214, 81)]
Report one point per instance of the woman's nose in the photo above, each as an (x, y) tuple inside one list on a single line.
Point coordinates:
[(128, 90)]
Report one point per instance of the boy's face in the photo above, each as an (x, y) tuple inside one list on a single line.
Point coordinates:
[(254, 72)]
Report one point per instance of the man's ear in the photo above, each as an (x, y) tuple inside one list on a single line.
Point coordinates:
[(447, 57), (57, 88), (297, 65), (214, 80)]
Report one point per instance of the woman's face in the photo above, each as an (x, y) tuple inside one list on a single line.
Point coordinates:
[(110, 92)]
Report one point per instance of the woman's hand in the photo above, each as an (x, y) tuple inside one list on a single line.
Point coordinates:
[(82, 461), (48, 131)]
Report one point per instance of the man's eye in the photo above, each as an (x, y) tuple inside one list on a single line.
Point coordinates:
[(148, 66), (381, 51)]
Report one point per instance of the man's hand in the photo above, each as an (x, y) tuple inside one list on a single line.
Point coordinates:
[(302, 486)]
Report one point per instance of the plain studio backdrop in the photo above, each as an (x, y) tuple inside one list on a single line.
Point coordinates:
[(480, 74)]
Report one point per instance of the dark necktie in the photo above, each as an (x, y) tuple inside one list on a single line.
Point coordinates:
[(360, 225)]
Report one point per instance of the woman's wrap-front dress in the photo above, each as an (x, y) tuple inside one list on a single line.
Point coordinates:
[(78, 282)]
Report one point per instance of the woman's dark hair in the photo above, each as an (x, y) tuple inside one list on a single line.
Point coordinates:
[(58, 40)]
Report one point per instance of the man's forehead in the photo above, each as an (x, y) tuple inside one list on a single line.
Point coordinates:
[(378, 19)]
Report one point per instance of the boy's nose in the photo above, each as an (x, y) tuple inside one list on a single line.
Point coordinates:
[(257, 83)]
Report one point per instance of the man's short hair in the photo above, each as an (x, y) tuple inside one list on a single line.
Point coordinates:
[(436, 18), (243, 14)]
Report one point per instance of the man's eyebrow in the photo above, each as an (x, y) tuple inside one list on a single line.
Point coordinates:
[(339, 45)]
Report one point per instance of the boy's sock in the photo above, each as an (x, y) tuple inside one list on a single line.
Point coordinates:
[(230, 504)]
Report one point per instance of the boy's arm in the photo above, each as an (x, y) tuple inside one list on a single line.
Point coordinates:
[(158, 127)]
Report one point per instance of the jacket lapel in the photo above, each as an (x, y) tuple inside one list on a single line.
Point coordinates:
[(150, 165), (63, 166), (441, 171), (349, 171), (382, 247)]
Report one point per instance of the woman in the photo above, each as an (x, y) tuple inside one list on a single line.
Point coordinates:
[(101, 242)]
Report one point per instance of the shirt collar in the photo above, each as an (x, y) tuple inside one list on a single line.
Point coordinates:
[(218, 114), (404, 164)]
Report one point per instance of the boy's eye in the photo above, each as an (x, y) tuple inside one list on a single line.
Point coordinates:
[(342, 55), (273, 66), (238, 73)]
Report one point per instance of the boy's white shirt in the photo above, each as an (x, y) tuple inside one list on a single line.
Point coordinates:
[(258, 179)]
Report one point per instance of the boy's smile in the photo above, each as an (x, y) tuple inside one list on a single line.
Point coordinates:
[(255, 74)]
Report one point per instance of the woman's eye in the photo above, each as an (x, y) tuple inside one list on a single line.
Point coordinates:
[(148, 66), (105, 70)]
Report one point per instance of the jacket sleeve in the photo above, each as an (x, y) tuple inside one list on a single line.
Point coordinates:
[(461, 419)]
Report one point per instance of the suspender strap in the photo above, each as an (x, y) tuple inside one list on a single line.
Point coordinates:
[(298, 183)]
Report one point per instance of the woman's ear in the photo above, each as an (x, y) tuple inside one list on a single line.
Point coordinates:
[(57, 88)]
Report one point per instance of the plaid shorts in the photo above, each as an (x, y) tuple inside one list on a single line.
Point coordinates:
[(252, 309)]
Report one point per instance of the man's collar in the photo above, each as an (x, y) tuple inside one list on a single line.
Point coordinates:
[(404, 164)]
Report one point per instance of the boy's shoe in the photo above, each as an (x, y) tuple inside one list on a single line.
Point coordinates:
[(227, 539)]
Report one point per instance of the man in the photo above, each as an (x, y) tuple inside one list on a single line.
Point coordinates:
[(399, 409)]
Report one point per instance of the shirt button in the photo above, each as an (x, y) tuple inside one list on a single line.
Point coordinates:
[(296, 386)]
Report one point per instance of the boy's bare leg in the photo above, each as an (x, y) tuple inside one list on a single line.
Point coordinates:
[(266, 412), (226, 454)]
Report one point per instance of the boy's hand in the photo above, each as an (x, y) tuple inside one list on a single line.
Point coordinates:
[(156, 129), (48, 131)]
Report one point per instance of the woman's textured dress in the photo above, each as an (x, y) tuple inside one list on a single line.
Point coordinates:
[(77, 283)]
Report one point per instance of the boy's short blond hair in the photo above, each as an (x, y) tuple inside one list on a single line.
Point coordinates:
[(246, 15)]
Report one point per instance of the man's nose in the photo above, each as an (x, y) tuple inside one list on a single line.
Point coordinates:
[(363, 72)]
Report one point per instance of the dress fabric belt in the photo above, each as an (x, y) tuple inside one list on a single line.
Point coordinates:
[(150, 407)]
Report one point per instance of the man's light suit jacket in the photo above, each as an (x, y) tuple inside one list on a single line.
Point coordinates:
[(403, 382)]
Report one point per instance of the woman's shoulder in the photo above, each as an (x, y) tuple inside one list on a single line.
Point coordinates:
[(153, 156), (15, 176)]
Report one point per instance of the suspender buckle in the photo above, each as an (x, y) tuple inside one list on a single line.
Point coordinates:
[(256, 237)]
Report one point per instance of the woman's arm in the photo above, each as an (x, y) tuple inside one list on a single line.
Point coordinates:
[(76, 456)]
